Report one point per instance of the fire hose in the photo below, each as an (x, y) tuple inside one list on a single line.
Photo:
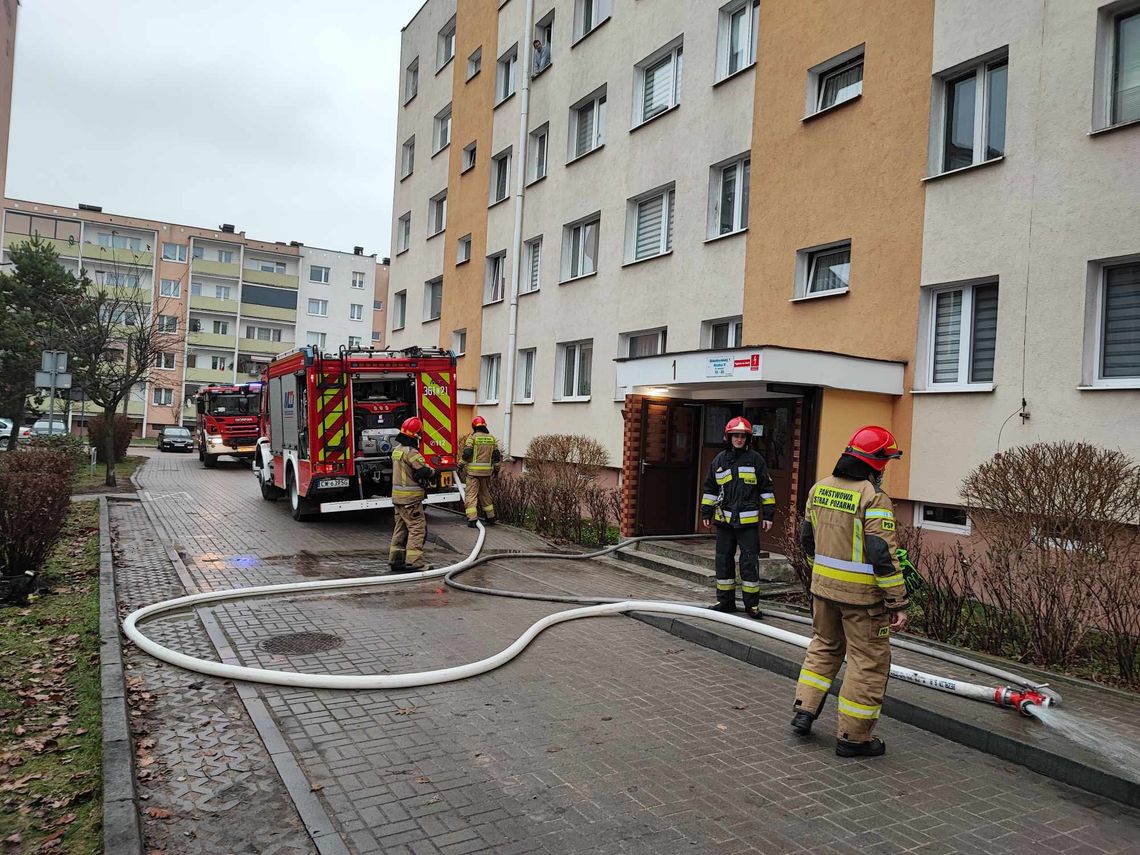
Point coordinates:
[(1021, 696)]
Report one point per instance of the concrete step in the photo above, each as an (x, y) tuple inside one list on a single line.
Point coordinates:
[(772, 568), (687, 551)]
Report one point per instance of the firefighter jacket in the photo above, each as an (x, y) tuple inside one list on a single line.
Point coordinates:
[(738, 490), (481, 454), (410, 475), (849, 535)]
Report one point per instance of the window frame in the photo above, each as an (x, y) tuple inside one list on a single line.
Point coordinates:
[(1097, 327), (461, 256), (459, 342), (673, 54), (805, 268), (319, 344), (979, 68), (358, 283), (818, 75), (600, 11), (530, 246), (437, 213), (359, 306), (486, 361), (411, 80), (735, 337), (626, 341), (742, 190), (542, 132), (445, 45), (404, 233), (470, 153), (500, 168), (433, 293), (523, 394), (563, 362), (597, 101), (726, 14), (489, 288), (161, 356), (321, 304), (167, 323), (475, 62), (177, 283), (572, 257), (180, 255), (441, 120), (162, 397), (408, 157), (322, 278), (1111, 20), (506, 75), (932, 525), (666, 197), (399, 310), (359, 341), (966, 336)]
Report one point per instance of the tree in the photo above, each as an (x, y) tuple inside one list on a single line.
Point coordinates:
[(114, 332), (30, 298)]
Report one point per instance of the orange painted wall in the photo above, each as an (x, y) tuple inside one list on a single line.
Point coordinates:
[(472, 117), (854, 173), (842, 413)]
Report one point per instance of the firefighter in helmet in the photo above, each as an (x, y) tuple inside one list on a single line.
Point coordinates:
[(738, 497), (858, 593), (481, 459), (410, 478)]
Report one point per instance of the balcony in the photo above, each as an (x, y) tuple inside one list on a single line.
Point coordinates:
[(64, 248), (273, 313), (206, 339), (133, 257), (271, 348), (261, 277), (123, 294), (213, 304), (208, 375), (214, 268), (135, 407)]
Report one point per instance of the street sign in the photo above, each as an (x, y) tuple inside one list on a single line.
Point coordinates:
[(44, 380), (53, 360)]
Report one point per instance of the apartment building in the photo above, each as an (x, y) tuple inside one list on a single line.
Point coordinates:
[(333, 309), (380, 303)]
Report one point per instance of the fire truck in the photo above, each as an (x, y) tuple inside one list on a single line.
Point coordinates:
[(229, 422), (329, 423)]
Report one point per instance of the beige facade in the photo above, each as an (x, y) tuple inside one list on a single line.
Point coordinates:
[(7, 66), (380, 303)]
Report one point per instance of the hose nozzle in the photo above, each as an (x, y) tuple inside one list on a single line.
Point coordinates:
[(1020, 700)]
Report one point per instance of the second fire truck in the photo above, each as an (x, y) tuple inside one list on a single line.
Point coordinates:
[(329, 421), (229, 422)]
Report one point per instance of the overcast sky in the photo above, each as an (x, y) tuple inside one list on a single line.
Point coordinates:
[(278, 116)]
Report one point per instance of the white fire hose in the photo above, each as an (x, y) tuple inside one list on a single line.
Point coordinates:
[(1004, 696)]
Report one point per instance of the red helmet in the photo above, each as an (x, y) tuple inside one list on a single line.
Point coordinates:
[(412, 427), (874, 445), (478, 421), (738, 425)]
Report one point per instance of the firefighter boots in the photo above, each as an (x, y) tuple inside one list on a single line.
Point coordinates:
[(802, 722), (728, 607), (874, 748)]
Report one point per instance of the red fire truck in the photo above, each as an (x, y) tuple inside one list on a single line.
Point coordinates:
[(329, 423), (228, 422)]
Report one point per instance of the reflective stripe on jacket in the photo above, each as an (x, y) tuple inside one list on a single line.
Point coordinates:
[(481, 454), (738, 490), (849, 533), (406, 490)]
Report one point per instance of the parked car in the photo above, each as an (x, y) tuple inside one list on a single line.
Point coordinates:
[(45, 428), (175, 439), (24, 434)]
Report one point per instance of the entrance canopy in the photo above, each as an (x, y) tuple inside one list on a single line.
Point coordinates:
[(680, 375)]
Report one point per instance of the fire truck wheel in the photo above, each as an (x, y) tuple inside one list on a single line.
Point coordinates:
[(209, 460), (299, 506), (268, 491)]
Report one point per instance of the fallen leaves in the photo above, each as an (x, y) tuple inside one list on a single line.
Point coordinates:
[(405, 710), (157, 813)]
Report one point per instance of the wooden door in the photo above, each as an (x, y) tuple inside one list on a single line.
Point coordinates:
[(668, 468)]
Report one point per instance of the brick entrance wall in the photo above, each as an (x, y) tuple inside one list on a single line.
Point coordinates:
[(797, 452), (630, 468)]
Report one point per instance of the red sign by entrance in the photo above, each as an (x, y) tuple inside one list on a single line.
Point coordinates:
[(752, 363)]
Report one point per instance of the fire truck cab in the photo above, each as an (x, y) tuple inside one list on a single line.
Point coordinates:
[(229, 422), (329, 421)]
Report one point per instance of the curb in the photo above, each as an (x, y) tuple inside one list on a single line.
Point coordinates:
[(121, 829), (1063, 769)]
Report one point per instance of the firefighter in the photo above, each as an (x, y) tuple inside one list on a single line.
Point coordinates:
[(481, 459), (858, 593), (738, 497), (410, 478)]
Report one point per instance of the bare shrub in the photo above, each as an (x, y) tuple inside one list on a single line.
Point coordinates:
[(96, 429), (601, 515), (788, 542), (33, 507), (511, 495)]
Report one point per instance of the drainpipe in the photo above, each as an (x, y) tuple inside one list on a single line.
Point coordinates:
[(525, 58)]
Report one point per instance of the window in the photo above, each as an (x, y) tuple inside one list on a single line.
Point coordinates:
[(412, 80), (574, 370), (723, 334), (319, 274), (543, 36), (588, 15), (356, 311), (267, 266), (824, 270), (378, 305), (437, 213), (315, 339), (580, 248), (198, 252), (375, 335), (442, 128), (588, 124), (1124, 68), (946, 518), (505, 75), (399, 309), (496, 284), (459, 342), (221, 327), (319, 308), (963, 335), (728, 212), (174, 252), (658, 84), (536, 157), (119, 241), (736, 37), (524, 391), (650, 225), (354, 341), (404, 232), (408, 157), (838, 80), (262, 333), (168, 323), (489, 378), (500, 176), (220, 363), (474, 63), (163, 397), (648, 343), (463, 250), (469, 152), (222, 292), (533, 265), (445, 49), (169, 288), (357, 279), (164, 361), (1118, 324), (226, 256), (973, 115)]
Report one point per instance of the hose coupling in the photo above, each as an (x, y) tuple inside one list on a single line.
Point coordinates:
[(1020, 699)]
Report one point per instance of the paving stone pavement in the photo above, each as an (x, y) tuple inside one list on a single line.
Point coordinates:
[(604, 736)]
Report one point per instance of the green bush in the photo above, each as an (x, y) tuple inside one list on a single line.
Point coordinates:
[(124, 430)]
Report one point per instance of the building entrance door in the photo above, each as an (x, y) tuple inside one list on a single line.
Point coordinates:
[(668, 465), (773, 425)]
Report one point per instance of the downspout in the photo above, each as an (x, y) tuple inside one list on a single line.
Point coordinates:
[(525, 58)]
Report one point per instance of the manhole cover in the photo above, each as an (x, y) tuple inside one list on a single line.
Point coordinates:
[(301, 642)]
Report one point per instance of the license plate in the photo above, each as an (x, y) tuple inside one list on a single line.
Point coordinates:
[(446, 479), (245, 449), (333, 483)]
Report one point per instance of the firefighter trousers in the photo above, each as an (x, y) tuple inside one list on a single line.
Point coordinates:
[(863, 634), (478, 495), (409, 530), (747, 538)]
